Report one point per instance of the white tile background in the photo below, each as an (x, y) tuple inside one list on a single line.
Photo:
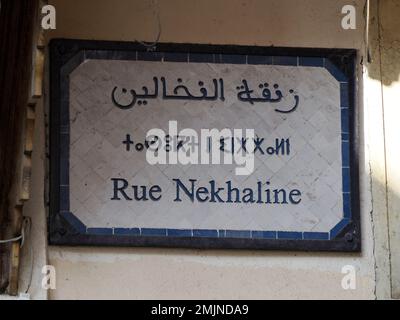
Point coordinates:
[(97, 154)]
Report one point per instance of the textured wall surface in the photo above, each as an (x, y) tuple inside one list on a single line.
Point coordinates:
[(174, 273), (390, 64)]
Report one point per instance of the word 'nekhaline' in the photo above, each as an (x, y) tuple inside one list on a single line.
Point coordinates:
[(211, 193)]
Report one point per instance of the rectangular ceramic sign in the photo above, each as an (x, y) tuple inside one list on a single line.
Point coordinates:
[(203, 146)]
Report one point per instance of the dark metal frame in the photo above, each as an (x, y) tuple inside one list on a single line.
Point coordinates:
[(66, 229)]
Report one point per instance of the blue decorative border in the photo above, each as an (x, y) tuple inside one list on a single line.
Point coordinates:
[(66, 229), (208, 58)]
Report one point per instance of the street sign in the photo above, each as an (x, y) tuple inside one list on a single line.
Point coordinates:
[(203, 146)]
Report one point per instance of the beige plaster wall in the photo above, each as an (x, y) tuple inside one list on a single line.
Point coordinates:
[(175, 273), (390, 66), (293, 23)]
